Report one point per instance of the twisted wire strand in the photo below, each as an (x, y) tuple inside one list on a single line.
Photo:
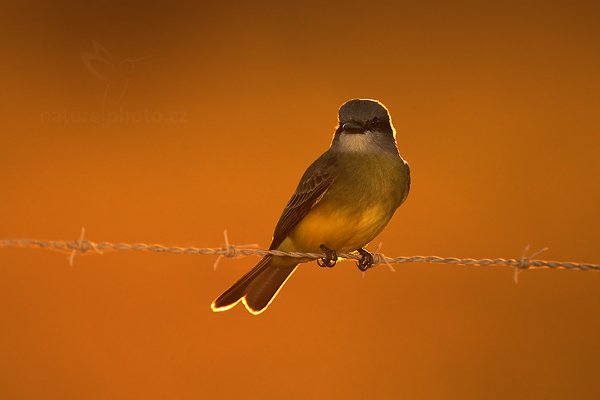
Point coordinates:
[(82, 246)]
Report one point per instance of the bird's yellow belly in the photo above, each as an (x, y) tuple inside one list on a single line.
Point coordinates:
[(341, 229)]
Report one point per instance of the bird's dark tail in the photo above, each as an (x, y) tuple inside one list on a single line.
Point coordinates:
[(259, 286)]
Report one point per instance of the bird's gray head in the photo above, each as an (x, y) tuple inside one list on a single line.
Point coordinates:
[(364, 125)]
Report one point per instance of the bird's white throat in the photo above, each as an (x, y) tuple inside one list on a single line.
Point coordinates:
[(365, 142)]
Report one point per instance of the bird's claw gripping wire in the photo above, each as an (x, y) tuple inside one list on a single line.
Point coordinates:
[(330, 258), (366, 260)]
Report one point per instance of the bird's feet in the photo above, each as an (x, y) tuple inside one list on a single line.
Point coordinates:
[(330, 257), (366, 260)]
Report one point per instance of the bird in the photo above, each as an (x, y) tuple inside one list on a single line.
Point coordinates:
[(344, 199)]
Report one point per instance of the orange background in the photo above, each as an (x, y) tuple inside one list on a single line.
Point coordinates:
[(496, 109)]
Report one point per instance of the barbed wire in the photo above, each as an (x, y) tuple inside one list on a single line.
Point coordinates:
[(83, 246)]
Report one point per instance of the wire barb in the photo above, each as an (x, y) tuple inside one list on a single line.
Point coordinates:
[(379, 258), (231, 250), (524, 262), (82, 245)]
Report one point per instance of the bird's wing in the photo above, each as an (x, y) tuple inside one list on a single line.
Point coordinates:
[(313, 185)]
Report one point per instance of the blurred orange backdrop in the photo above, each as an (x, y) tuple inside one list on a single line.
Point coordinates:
[(168, 123)]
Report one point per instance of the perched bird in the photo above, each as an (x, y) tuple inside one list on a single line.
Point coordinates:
[(344, 199)]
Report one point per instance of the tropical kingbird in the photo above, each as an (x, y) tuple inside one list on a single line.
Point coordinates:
[(344, 199)]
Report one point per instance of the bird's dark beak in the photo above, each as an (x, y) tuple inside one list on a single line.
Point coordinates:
[(353, 127)]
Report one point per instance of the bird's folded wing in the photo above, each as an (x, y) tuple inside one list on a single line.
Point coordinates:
[(314, 184)]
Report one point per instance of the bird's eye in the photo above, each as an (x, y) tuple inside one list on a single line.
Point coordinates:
[(374, 122)]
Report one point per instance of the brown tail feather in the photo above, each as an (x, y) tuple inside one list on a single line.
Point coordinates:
[(258, 287), (264, 287)]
